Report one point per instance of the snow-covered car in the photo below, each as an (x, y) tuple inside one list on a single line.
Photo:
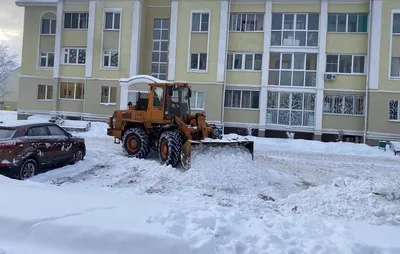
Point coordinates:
[(26, 148)]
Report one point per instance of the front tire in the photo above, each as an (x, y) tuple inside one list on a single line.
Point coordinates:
[(136, 143), (28, 169), (170, 147), (78, 155)]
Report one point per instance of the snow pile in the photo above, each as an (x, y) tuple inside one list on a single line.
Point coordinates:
[(357, 200), (40, 117), (97, 130)]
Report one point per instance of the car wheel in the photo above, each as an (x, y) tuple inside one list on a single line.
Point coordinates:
[(28, 169), (78, 155)]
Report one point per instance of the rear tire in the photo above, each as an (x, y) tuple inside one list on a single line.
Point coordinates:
[(28, 169), (170, 147), (136, 143)]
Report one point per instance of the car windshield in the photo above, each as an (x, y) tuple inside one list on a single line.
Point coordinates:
[(6, 133)]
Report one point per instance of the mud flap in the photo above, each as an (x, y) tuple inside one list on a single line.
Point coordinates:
[(187, 147)]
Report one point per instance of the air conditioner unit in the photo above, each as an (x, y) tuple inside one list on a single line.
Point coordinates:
[(330, 76)]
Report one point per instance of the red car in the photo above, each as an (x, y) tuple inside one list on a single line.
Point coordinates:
[(26, 148)]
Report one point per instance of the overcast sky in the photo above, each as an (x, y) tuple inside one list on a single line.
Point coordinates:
[(11, 25)]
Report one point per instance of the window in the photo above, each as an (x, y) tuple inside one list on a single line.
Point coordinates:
[(348, 22), (112, 21), (158, 97), (45, 92), (394, 110), (198, 61), (396, 23), (159, 57), (74, 56), (291, 109), (56, 131), (292, 69), (246, 22), (344, 104), (110, 58), (354, 64), (395, 67), (76, 20), (295, 29), (244, 61), (38, 131), (46, 59), (108, 95), (242, 99), (71, 90), (197, 100), (200, 22), (48, 26)]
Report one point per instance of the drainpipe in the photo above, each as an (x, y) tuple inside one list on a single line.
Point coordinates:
[(226, 56), (368, 71)]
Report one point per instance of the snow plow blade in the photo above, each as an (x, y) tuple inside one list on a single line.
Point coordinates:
[(187, 147)]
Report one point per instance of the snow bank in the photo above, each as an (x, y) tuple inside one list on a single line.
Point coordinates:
[(353, 200), (313, 146), (95, 221)]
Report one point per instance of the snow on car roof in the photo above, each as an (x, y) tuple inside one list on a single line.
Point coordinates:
[(18, 123)]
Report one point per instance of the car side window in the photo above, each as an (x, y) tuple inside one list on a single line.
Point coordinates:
[(38, 131), (56, 131)]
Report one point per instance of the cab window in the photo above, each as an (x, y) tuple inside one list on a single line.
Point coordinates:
[(158, 97)]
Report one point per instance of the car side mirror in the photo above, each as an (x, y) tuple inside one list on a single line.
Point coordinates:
[(69, 135)]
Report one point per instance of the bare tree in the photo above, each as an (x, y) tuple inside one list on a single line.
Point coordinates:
[(8, 62)]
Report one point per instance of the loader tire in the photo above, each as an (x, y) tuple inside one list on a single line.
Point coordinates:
[(136, 143), (170, 146)]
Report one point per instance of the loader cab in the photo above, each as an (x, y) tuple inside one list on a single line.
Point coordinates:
[(177, 101)]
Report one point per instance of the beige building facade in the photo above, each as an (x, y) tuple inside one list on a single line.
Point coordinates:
[(314, 67)]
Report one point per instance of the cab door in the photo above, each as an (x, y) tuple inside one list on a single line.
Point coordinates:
[(157, 112)]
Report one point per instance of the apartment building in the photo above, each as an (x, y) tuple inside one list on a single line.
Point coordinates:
[(314, 67)]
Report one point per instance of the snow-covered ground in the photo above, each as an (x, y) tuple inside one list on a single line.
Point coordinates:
[(297, 196)]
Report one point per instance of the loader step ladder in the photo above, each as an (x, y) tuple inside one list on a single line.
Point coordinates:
[(117, 141)]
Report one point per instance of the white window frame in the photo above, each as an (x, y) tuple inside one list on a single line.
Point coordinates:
[(392, 60), (292, 69), (227, 100), (113, 12), (75, 85), (195, 95), (352, 64), (243, 16), (160, 51), (198, 62), (45, 93), (201, 13), (50, 23), (243, 65), (65, 56), (108, 103), (342, 97), (294, 30), (290, 109), (79, 19), (109, 54), (45, 55), (347, 22)]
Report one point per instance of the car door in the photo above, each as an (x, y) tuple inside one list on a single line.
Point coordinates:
[(61, 141), (41, 143)]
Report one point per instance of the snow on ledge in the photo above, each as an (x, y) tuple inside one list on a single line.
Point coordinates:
[(22, 3), (141, 79)]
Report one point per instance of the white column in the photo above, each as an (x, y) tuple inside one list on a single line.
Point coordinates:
[(57, 44), (222, 43), (376, 20), (135, 39), (123, 100), (172, 40), (90, 39), (319, 100), (265, 63)]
